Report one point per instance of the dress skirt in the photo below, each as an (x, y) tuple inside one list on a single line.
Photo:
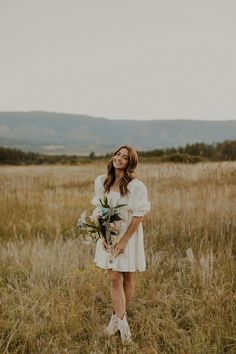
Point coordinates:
[(131, 260)]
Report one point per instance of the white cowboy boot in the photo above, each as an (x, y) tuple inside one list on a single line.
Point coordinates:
[(112, 327), (124, 329)]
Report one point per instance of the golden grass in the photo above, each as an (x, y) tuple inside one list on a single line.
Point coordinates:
[(54, 300)]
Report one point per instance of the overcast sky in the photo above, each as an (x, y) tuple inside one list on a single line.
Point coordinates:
[(120, 59)]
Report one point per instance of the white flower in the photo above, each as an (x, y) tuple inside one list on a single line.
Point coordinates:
[(94, 217), (83, 217), (82, 220), (114, 228)]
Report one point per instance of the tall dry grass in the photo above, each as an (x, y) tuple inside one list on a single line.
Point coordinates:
[(54, 300)]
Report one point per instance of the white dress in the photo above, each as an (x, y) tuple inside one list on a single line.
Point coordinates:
[(137, 204)]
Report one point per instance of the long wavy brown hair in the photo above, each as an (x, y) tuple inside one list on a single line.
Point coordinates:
[(129, 172)]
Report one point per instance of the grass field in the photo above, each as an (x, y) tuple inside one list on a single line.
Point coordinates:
[(54, 300)]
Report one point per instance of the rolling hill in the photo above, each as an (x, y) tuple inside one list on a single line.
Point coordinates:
[(59, 133)]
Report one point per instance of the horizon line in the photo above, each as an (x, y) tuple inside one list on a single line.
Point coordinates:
[(119, 119)]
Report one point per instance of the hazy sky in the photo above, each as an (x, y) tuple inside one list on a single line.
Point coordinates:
[(126, 59)]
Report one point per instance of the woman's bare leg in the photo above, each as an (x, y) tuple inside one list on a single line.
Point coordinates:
[(128, 285), (117, 292)]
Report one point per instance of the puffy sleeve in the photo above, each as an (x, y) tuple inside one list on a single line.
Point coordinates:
[(99, 190), (138, 199)]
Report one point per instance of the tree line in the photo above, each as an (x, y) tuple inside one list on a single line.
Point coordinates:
[(225, 151), (191, 153)]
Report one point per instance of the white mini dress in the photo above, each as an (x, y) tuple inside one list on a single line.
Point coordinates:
[(137, 204)]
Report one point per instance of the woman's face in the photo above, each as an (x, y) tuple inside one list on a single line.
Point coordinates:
[(121, 159)]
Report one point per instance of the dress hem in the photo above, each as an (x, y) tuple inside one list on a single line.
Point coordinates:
[(119, 270)]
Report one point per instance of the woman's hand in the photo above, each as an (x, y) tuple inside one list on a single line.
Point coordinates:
[(120, 247)]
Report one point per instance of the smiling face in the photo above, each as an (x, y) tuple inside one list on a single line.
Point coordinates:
[(121, 159), (122, 165)]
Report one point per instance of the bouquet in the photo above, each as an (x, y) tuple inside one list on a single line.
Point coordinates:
[(101, 224)]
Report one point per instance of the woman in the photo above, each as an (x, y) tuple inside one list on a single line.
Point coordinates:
[(122, 187)]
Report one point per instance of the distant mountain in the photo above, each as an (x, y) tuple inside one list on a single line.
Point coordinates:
[(59, 133)]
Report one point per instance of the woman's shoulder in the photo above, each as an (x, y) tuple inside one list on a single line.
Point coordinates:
[(100, 178), (98, 184)]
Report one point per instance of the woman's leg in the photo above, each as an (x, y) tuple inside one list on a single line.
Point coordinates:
[(117, 292), (128, 285)]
